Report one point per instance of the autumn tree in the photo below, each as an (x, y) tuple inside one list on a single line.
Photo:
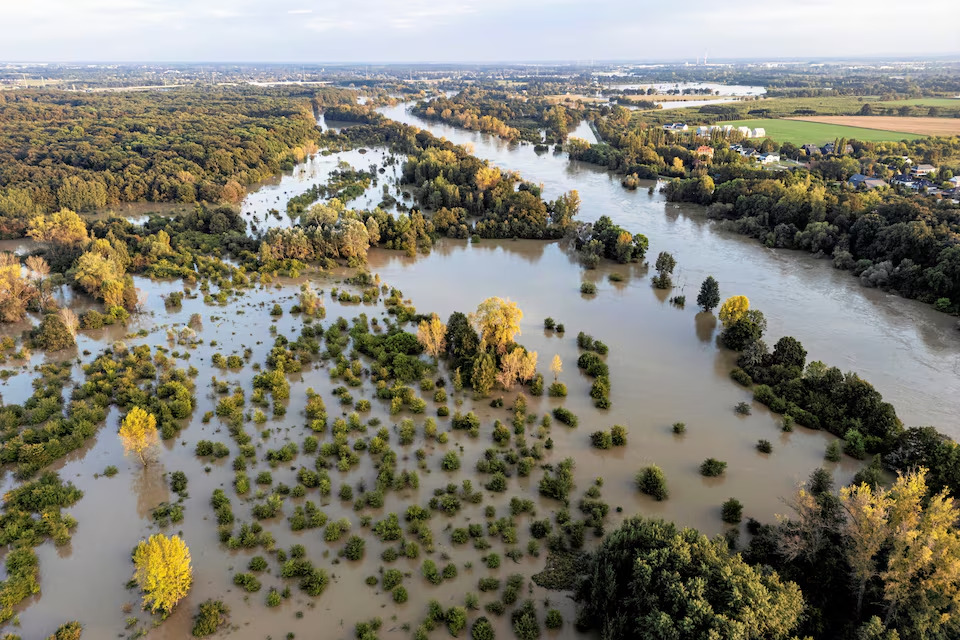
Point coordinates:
[(487, 178), (15, 291), (518, 365), (921, 580), (432, 334), (163, 571), (64, 227), (310, 303), (354, 240), (709, 296), (556, 366), (138, 432), (497, 321), (39, 270), (733, 309)]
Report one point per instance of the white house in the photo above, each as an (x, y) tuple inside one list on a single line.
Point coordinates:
[(769, 158), (922, 170)]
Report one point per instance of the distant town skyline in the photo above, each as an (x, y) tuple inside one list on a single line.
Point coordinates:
[(468, 30)]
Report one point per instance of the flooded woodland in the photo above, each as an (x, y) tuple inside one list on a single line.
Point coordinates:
[(665, 364)]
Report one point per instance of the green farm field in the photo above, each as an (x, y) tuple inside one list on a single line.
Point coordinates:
[(799, 132)]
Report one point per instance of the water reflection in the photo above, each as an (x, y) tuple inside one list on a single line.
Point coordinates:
[(704, 325)]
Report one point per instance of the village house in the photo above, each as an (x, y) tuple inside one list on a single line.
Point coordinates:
[(704, 151), (769, 158), (921, 170), (828, 148), (859, 180), (811, 149)]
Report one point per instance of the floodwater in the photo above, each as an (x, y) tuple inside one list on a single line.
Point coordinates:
[(665, 367), (910, 352)]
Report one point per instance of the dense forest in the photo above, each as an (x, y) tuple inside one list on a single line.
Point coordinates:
[(86, 151)]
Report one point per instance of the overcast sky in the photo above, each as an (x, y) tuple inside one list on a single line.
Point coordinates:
[(469, 30)]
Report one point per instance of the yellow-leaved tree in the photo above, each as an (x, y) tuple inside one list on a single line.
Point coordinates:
[(518, 365), (64, 227), (556, 366), (163, 571), (911, 542), (733, 309), (497, 321), (138, 432), (487, 178), (432, 334)]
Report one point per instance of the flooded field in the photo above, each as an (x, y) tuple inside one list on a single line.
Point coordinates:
[(665, 367)]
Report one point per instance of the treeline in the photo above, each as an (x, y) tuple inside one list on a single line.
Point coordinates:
[(502, 114), (900, 243), (819, 396), (89, 151)]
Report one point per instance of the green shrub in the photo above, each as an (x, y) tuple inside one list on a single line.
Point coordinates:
[(353, 550), (211, 615), (247, 581), (653, 482), (834, 451), (741, 377), (565, 416), (557, 390), (456, 619), (525, 624), (554, 619), (732, 511), (764, 446), (588, 288), (711, 467)]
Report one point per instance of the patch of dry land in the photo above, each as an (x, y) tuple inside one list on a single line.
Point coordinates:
[(924, 126)]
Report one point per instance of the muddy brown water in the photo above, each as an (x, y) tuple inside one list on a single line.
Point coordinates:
[(664, 364)]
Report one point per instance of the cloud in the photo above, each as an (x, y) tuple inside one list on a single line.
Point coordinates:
[(464, 30)]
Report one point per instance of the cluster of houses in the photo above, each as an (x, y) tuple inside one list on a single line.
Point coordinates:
[(916, 178), (705, 131)]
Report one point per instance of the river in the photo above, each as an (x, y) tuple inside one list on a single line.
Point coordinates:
[(910, 352)]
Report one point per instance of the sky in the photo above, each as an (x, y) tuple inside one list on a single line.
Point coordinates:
[(469, 30)]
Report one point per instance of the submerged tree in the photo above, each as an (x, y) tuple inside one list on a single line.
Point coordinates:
[(497, 321), (138, 432), (163, 571), (518, 365), (432, 335), (556, 366), (665, 265), (709, 296)]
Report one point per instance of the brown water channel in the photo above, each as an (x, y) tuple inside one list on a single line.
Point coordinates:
[(664, 364), (910, 352)]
